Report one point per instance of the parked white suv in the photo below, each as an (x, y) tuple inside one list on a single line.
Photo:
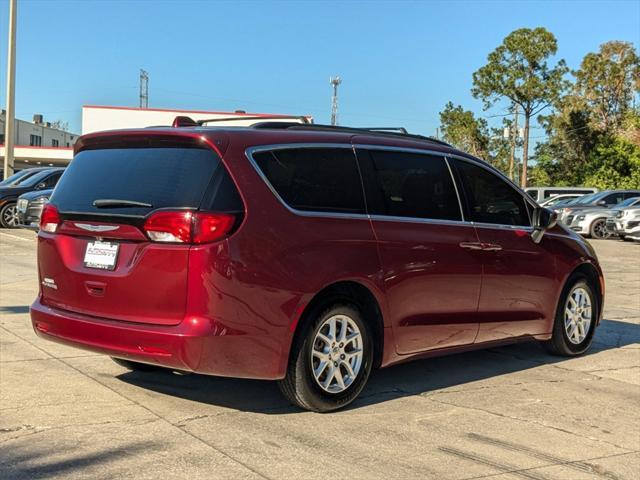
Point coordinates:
[(625, 219)]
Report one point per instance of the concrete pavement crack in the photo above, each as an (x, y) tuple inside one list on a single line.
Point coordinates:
[(559, 464), (525, 420)]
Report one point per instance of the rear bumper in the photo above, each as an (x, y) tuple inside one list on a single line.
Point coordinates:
[(196, 344)]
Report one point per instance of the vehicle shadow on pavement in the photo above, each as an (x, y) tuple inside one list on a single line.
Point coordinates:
[(28, 462), (413, 378)]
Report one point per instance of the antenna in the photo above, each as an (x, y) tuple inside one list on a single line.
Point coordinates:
[(335, 81), (144, 89)]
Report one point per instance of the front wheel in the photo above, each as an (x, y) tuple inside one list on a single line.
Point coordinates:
[(599, 229), (330, 361), (9, 216), (576, 318)]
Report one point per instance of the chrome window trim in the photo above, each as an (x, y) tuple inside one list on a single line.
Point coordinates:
[(249, 151), (392, 218), (455, 186)]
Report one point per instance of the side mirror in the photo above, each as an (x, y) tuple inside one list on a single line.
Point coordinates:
[(602, 203), (543, 220), (40, 186)]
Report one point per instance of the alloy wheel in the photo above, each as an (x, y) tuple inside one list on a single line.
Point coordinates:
[(10, 216), (599, 229), (337, 353), (578, 315)]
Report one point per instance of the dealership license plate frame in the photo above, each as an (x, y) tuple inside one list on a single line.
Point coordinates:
[(101, 255)]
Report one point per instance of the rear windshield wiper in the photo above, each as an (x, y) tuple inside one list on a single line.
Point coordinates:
[(113, 202)]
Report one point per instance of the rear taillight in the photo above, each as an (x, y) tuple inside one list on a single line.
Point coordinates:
[(188, 227), (169, 227), (49, 219), (209, 227)]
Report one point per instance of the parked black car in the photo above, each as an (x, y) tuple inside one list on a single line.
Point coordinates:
[(21, 175), (43, 180), (29, 208)]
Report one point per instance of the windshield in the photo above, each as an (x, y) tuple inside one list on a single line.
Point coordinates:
[(628, 202), (562, 202), (588, 198), (33, 179), (18, 177)]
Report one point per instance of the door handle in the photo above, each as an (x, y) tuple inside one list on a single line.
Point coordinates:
[(471, 245), (491, 247)]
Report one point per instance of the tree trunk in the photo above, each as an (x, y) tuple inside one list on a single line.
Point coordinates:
[(525, 149), (513, 129)]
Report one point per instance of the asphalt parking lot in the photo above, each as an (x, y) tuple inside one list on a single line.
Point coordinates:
[(503, 413)]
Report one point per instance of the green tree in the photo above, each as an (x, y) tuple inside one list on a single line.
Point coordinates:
[(594, 131), (607, 81), (462, 129), (519, 71), (614, 163)]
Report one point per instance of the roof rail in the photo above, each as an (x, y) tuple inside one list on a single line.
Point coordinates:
[(303, 123), (402, 132), (184, 121), (387, 129), (301, 119)]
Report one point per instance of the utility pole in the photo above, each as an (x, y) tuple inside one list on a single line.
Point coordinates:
[(514, 138), (144, 89), (335, 81), (9, 120)]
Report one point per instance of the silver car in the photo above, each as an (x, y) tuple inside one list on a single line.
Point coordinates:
[(624, 219), (589, 216)]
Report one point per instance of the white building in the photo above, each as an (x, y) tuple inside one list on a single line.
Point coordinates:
[(37, 144), (37, 133)]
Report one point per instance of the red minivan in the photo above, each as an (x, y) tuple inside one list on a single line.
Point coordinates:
[(305, 254)]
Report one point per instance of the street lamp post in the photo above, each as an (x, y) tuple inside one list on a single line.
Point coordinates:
[(11, 93)]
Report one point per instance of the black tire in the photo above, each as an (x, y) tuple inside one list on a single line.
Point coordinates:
[(300, 386), (8, 217), (598, 229), (136, 366), (559, 344)]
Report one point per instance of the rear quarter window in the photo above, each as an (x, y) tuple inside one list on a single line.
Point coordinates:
[(162, 177), (314, 179)]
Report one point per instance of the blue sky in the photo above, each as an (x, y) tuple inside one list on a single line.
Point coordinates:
[(400, 61)]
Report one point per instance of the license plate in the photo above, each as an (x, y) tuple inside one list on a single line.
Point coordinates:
[(101, 255)]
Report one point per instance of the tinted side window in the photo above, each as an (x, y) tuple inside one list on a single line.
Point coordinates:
[(52, 180), (630, 195), (412, 185), (314, 179), (490, 199), (613, 198)]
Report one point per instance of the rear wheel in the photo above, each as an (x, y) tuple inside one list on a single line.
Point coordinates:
[(135, 366), (599, 229), (331, 360), (9, 216), (576, 318)]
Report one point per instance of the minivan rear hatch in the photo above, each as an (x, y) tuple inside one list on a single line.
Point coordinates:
[(98, 258)]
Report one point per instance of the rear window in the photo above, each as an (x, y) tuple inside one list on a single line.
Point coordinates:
[(162, 177), (314, 179)]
